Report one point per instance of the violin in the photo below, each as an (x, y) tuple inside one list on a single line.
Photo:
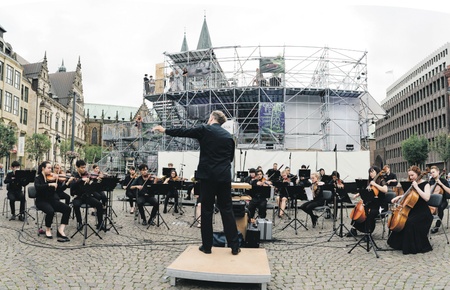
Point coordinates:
[(373, 188), (52, 177)]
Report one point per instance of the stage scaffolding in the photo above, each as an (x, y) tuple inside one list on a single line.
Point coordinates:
[(278, 97)]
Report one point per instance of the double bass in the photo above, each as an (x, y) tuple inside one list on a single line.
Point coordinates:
[(403, 207), (358, 213)]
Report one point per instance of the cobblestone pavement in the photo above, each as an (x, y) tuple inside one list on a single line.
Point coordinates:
[(137, 257)]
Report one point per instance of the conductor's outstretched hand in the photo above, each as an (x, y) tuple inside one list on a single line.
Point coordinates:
[(159, 128)]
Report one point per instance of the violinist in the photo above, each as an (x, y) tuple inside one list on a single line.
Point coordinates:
[(377, 188), (283, 194), (63, 181), (413, 238), (338, 186), (257, 200), (273, 173), (439, 185), (46, 184), (292, 178), (391, 182), (143, 195), (15, 193), (82, 192), (317, 191), (96, 176), (173, 192), (126, 184)]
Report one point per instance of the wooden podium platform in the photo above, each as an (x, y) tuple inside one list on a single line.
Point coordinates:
[(250, 266)]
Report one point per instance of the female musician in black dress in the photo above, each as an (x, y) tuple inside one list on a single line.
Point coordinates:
[(317, 191), (377, 189), (48, 201), (173, 192), (126, 184), (413, 238)]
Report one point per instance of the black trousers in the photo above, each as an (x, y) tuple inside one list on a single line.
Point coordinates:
[(100, 196), (14, 196), (441, 208), (52, 206), (77, 202), (261, 204), (209, 190), (141, 200), (310, 205), (171, 194), (131, 196), (65, 196)]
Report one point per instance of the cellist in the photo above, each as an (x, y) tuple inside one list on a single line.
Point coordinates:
[(378, 188), (413, 238), (439, 185)]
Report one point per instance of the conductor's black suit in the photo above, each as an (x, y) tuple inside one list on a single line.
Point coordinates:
[(214, 173)]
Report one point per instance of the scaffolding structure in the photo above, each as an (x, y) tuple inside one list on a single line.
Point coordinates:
[(278, 97)]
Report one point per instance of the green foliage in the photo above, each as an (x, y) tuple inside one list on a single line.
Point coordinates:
[(7, 139), (93, 153), (415, 150), (36, 146), (441, 145)]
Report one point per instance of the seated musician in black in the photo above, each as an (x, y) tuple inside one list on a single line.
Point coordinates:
[(62, 183), (173, 192), (317, 191), (143, 194), (47, 200), (258, 201), (338, 186), (15, 192), (283, 194), (82, 193), (96, 176), (126, 184)]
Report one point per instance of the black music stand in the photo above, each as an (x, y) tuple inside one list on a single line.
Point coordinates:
[(281, 186), (167, 170), (108, 184), (340, 196), (262, 191), (25, 177), (241, 175), (296, 192), (158, 189), (367, 197), (196, 219)]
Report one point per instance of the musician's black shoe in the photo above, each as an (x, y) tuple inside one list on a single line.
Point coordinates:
[(176, 210), (94, 213), (314, 219), (61, 238), (21, 218), (12, 218), (79, 226), (434, 230), (165, 210), (328, 215), (144, 222), (202, 249), (351, 233), (235, 251), (151, 222), (101, 227)]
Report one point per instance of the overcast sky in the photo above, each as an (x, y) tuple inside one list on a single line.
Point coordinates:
[(119, 41)]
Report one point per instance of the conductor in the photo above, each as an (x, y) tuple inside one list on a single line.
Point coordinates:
[(214, 173)]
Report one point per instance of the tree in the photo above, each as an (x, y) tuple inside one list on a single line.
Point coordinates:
[(36, 146), (415, 150), (441, 145), (7, 139), (93, 153)]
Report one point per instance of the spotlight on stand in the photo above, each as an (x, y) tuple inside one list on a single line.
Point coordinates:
[(349, 147)]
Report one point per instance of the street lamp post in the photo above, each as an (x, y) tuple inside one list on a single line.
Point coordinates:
[(72, 143)]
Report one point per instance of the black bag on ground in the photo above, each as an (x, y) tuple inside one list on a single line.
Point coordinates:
[(239, 208)]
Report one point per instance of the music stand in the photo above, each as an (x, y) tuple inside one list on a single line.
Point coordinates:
[(294, 192), (242, 175), (196, 189), (158, 189), (367, 197), (108, 184), (281, 186), (178, 185), (25, 177), (340, 196), (167, 170)]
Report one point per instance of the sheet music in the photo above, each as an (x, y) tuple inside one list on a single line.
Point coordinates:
[(309, 193)]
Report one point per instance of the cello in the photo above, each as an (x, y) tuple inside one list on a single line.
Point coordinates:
[(403, 207), (358, 213)]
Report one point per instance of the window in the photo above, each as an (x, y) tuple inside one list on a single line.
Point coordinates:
[(24, 94), (57, 124), (94, 139), (40, 116), (1, 99), (16, 106), (25, 117), (9, 75), (63, 125), (17, 80), (1, 69), (8, 102)]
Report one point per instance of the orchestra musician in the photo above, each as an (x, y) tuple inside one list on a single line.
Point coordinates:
[(143, 194), (291, 176), (391, 182), (96, 177), (439, 185), (283, 194), (257, 200), (47, 200), (126, 184), (173, 192), (413, 238), (15, 193), (273, 174), (317, 191), (62, 183), (378, 188), (338, 186), (82, 193)]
